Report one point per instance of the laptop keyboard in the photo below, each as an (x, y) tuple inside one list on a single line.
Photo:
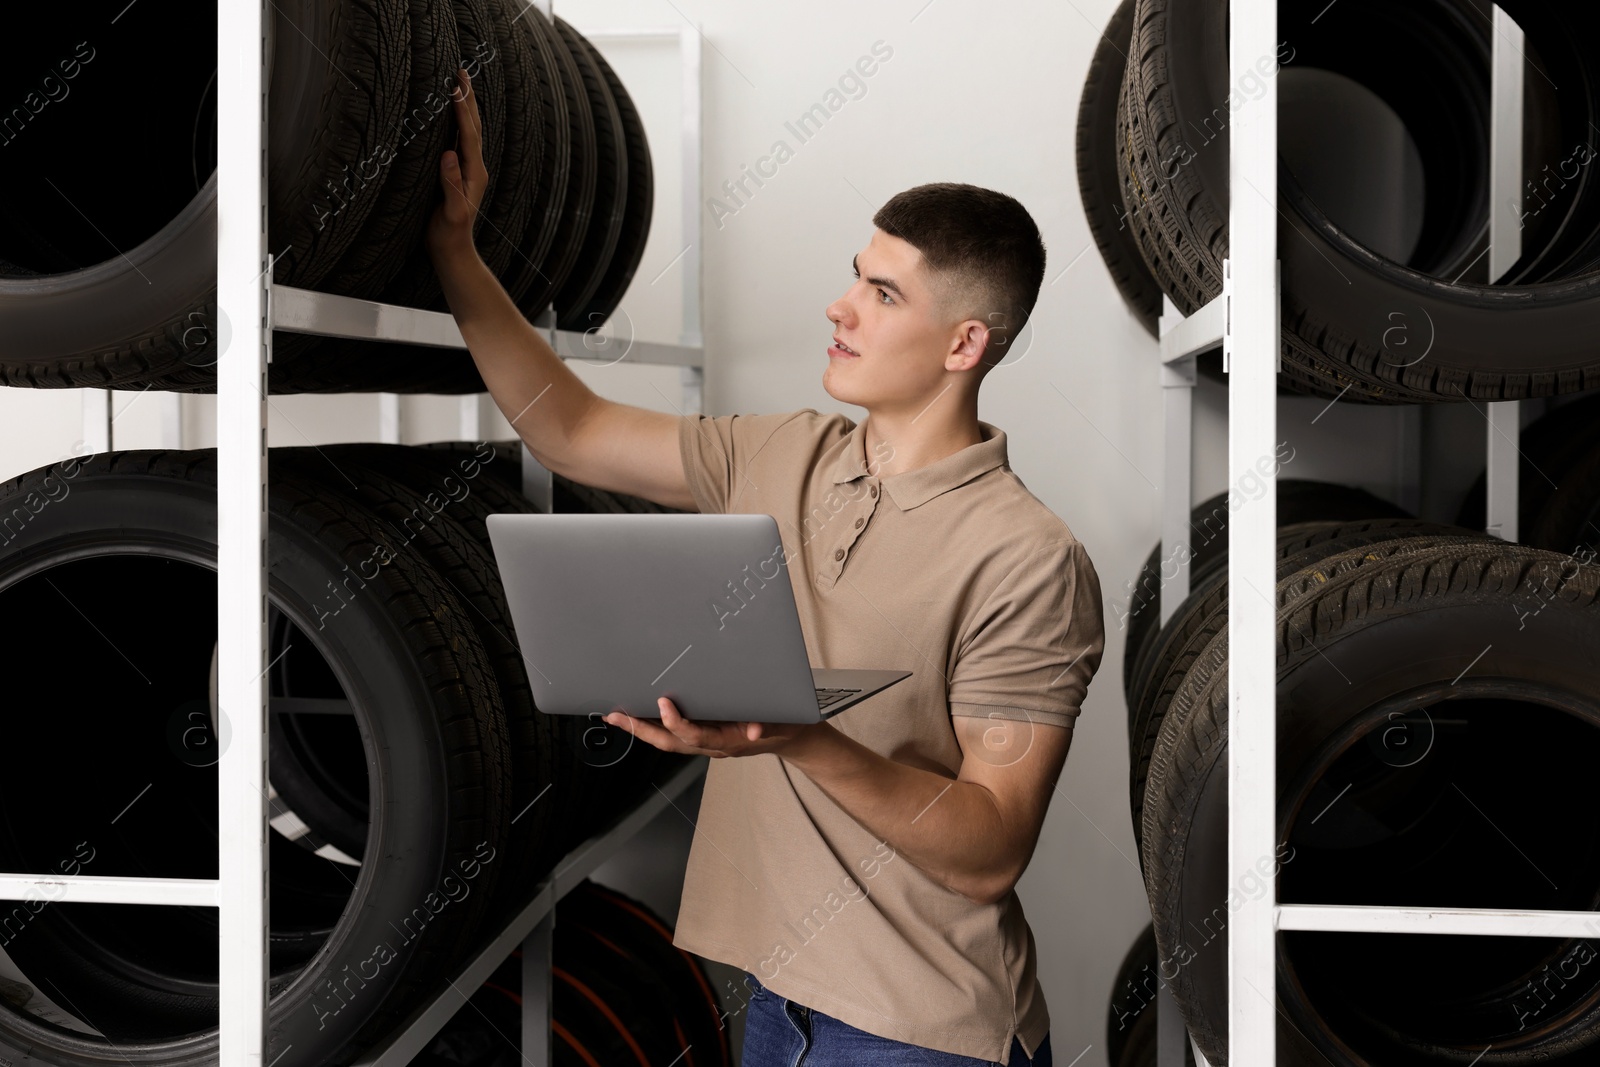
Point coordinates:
[(826, 697)]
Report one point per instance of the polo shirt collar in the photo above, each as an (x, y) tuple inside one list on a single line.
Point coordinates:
[(914, 488)]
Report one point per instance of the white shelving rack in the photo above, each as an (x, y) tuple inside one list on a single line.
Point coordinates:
[(248, 297), (532, 930), (1244, 320)]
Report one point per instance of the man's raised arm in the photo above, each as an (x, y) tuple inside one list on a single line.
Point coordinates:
[(565, 424)]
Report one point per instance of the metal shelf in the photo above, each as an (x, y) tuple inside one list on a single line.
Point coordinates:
[(327, 315), (1245, 322), (531, 929), (248, 297)]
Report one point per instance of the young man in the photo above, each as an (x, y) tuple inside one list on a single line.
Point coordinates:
[(861, 869)]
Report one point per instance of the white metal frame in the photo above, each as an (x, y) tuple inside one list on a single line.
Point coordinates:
[(532, 930), (248, 297), (1245, 321)]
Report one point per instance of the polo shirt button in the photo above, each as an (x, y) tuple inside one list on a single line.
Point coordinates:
[(874, 491), (838, 553), (859, 523)]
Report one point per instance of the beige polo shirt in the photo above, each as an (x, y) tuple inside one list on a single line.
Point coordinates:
[(959, 574)]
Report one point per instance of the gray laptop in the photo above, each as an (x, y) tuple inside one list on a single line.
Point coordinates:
[(614, 611)]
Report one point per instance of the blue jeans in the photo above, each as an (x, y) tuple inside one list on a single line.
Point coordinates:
[(783, 1033)]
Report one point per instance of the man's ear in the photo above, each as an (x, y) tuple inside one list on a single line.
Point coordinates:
[(972, 339)]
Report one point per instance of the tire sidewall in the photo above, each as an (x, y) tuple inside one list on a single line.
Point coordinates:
[(1314, 704), (167, 279), (407, 854)]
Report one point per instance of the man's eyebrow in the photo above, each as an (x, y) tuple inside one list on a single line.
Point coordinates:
[(887, 283)]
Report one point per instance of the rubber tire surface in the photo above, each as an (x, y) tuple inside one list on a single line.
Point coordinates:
[(637, 212), (419, 501), (570, 496), (1457, 592), (1299, 500), (1184, 644), (107, 326), (417, 284), (438, 772), (341, 74), (611, 183), (551, 193), (531, 92), (512, 109), (505, 215), (1490, 343), (408, 158), (1570, 522), (607, 1009), (1131, 1039), (476, 481), (407, 162), (602, 771), (308, 768), (1098, 184), (339, 82), (645, 940), (606, 1004), (1133, 991), (578, 207), (88, 297)]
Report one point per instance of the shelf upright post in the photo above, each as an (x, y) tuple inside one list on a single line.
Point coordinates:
[(389, 418), (1505, 248), (171, 419), (693, 378), (1177, 395), (1177, 463), (244, 280), (469, 416), (1182, 340), (1251, 340), (538, 986), (538, 482), (1177, 488), (96, 420)]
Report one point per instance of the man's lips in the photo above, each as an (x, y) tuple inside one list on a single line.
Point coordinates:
[(839, 351)]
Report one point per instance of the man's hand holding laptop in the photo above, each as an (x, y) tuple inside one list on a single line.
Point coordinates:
[(717, 739)]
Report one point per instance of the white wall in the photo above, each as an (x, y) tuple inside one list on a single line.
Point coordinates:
[(983, 93)]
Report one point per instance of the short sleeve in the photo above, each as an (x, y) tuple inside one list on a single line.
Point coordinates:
[(1031, 649), (719, 451)]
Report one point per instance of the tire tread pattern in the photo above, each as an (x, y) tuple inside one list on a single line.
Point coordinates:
[(1315, 607)]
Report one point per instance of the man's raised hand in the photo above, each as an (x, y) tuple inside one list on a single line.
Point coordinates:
[(463, 177)]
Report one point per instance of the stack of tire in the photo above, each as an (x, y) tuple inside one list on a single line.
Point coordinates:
[(1131, 1018), (622, 996), (417, 794), (1401, 311), (1435, 699), (108, 274), (1438, 701)]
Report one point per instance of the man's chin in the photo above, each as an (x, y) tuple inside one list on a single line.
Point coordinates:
[(843, 396)]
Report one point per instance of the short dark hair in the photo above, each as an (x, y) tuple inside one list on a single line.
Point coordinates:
[(986, 242)]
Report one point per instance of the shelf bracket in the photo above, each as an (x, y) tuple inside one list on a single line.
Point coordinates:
[(537, 987), (1177, 484), (401, 1046), (96, 420), (1502, 471)]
